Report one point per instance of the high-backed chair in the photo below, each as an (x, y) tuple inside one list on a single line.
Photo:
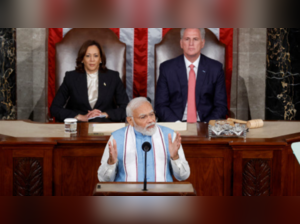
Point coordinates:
[(67, 50), (169, 48)]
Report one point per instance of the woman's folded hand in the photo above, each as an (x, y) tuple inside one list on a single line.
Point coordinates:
[(93, 113)]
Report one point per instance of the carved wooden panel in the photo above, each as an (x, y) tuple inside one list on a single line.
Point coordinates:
[(28, 177), (257, 178)]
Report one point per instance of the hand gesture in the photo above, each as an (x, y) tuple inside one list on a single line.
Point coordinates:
[(113, 153), (94, 113), (174, 146)]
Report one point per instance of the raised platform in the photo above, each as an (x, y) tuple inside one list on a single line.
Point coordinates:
[(55, 164)]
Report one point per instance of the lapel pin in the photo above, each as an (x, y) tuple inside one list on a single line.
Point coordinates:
[(104, 84), (203, 71)]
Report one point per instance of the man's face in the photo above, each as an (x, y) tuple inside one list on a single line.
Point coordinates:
[(192, 43), (143, 119)]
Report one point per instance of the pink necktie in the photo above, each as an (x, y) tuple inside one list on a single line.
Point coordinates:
[(191, 107)]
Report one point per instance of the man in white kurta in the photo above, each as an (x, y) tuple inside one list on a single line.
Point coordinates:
[(123, 159)]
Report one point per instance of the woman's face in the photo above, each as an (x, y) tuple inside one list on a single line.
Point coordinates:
[(91, 59)]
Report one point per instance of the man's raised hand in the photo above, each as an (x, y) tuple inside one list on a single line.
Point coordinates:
[(113, 153), (174, 146)]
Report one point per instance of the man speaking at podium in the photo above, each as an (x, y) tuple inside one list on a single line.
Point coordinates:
[(191, 87), (123, 159)]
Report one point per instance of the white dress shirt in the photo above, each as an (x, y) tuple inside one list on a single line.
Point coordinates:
[(196, 66)]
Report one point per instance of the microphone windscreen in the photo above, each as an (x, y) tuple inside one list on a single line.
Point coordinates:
[(146, 146)]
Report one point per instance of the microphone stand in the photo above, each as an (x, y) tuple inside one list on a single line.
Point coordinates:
[(146, 148), (145, 179)]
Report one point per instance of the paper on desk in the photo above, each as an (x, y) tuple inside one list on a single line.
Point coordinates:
[(178, 126), (107, 128), (296, 150), (101, 116)]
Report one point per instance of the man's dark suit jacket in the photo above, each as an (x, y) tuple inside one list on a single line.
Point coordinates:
[(172, 90), (112, 97)]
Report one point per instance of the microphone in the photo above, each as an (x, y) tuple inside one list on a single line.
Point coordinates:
[(146, 148)]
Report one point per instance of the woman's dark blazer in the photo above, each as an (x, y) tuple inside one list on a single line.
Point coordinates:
[(73, 93)]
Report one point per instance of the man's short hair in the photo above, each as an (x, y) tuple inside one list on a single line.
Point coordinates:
[(135, 103), (202, 31)]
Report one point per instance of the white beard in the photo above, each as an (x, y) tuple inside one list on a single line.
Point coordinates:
[(145, 131)]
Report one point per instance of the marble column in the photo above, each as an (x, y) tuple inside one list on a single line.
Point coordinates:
[(283, 79), (8, 73), (248, 75), (31, 69)]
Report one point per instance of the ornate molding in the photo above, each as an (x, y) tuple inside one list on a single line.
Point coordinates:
[(28, 177), (257, 178)]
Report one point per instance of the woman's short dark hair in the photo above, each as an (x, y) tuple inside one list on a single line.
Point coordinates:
[(82, 52)]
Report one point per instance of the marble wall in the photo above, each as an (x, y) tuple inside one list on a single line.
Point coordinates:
[(31, 70), (283, 78), (248, 80), (7, 73)]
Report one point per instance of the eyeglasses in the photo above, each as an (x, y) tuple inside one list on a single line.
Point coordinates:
[(145, 116)]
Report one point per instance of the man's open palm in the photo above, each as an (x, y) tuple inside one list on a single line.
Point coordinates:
[(174, 146), (113, 153)]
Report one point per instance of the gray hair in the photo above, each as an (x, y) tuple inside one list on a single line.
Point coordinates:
[(202, 31), (135, 103)]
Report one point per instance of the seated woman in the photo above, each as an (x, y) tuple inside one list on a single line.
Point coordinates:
[(91, 92)]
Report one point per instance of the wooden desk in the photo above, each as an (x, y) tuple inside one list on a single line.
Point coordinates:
[(222, 166)]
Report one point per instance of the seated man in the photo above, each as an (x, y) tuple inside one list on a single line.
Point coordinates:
[(123, 158), (191, 87)]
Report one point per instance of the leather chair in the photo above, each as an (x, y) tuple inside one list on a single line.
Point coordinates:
[(67, 50), (169, 48)]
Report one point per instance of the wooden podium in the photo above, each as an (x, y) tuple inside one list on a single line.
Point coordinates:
[(38, 159), (154, 189)]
